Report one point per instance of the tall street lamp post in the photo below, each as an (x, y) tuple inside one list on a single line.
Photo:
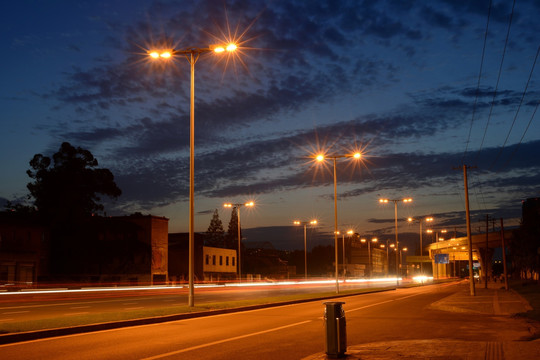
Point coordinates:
[(237, 207), (395, 201), (305, 224), (383, 246), (348, 232), (428, 219), (321, 158), (192, 54)]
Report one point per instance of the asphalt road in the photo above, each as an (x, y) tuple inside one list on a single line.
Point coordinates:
[(286, 332), (31, 306)]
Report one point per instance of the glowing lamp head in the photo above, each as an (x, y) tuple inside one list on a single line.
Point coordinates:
[(383, 201), (319, 157), (250, 204), (410, 219), (407, 200), (357, 155), (228, 205), (222, 48), (296, 222), (160, 54), (313, 222)]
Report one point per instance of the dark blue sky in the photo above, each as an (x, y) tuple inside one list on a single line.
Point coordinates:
[(410, 82)]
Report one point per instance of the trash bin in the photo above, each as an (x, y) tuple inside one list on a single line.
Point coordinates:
[(335, 329)]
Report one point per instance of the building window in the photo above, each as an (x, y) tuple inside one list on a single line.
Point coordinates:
[(233, 258), (214, 260), (227, 260), (207, 259), (220, 260)]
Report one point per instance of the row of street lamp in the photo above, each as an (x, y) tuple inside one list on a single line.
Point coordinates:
[(192, 54)]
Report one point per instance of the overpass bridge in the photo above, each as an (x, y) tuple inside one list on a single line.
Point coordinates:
[(446, 255)]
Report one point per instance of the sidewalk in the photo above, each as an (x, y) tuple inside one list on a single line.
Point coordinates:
[(493, 301)]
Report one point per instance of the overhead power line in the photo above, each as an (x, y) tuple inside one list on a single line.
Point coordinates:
[(478, 83), (517, 112), (498, 80)]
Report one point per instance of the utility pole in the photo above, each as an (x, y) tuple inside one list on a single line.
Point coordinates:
[(486, 253), (469, 238), (504, 256)]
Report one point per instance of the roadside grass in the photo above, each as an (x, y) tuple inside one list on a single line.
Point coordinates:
[(531, 292), (105, 317)]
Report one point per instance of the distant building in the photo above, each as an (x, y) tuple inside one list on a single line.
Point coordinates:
[(358, 260), (23, 249), (119, 250), (210, 263), (153, 231), (179, 257), (219, 264)]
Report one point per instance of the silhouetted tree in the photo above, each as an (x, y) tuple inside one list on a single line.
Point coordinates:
[(20, 208), (215, 235), (66, 187), (231, 240)]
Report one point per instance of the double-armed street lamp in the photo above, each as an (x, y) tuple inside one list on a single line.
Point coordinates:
[(395, 201), (305, 224), (436, 234), (192, 54), (237, 207), (370, 260), (320, 158), (401, 258), (387, 246), (420, 220), (348, 232)]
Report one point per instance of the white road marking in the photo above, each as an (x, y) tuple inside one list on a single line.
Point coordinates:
[(380, 303), (225, 340)]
